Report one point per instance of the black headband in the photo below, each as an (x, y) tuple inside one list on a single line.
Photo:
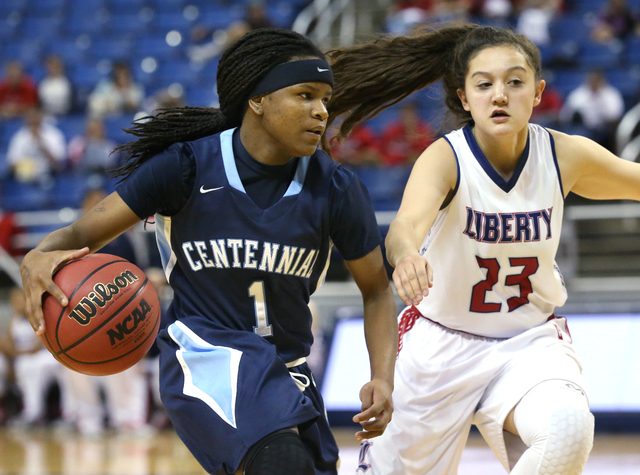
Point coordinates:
[(294, 72)]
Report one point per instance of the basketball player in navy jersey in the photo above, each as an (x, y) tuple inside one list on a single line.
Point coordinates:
[(473, 246), (247, 210)]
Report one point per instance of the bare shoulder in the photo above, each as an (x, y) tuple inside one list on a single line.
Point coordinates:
[(439, 154), (568, 146)]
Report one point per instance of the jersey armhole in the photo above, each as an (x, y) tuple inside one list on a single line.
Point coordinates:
[(452, 195), (555, 160)]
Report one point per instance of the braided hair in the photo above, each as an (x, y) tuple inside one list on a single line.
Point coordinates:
[(242, 66)]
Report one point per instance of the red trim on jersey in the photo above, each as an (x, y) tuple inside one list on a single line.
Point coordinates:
[(407, 321)]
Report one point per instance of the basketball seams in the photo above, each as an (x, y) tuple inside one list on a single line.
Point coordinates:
[(102, 324), (129, 316), (79, 286), (151, 334)]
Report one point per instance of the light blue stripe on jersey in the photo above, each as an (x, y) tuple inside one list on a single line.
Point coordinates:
[(226, 145), (163, 238), (210, 372)]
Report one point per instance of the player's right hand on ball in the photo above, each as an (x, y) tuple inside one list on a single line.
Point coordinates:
[(413, 277), (37, 271)]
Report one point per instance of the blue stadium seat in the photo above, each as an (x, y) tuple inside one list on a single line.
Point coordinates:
[(45, 8), (68, 50), (201, 96), (127, 24), (27, 51), (385, 185), (177, 71), (209, 71), (164, 22), (566, 81), (220, 17), (570, 27), (23, 197), (281, 14), (87, 22), (85, 75), (626, 80), (156, 47), (125, 6), (45, 28), (632, 52), (8, 129), (598, 55), (110, 48), (68, 190), (71, 125), (114, 126)]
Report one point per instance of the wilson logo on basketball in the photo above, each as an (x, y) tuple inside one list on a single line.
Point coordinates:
[(129, 323), (87, 308)]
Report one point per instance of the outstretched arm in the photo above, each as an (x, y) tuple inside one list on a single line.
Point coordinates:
[(432, 179), (591, 171), (381, 334), (106, 221)]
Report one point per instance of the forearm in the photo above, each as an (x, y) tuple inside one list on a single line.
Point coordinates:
[(381, 334), (61, 240), (401, 241)]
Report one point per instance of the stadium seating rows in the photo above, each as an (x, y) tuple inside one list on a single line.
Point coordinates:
[(90, 34)]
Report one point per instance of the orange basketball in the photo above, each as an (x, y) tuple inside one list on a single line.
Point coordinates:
[(112, 318)]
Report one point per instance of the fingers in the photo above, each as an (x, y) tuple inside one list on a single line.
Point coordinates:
[(413, 277), (376, 410), (37, 271)]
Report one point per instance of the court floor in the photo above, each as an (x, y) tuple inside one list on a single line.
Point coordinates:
[(55, 452)]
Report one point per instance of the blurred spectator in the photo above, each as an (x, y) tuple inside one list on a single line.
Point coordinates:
[(535, 19), (360, 148), (403, 140), (172, 96), (407, 14), (117, 94), (547, 112), (126, 392), (450, 10), (55, 89), (8, 230), (596, 105), (202, 49), (496, 10), (36, 150), (91, 152), (34, 367), (18, 91), (616, 21)]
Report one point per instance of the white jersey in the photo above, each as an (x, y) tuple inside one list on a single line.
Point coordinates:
[(493, 247)]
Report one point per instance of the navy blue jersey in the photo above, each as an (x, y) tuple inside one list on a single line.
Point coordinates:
[(241, 267)]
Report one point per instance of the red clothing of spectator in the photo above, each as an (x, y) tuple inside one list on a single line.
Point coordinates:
[(407, 137), (360, 148), (550, 103), (8, 229), (16, 98), (421, 4)]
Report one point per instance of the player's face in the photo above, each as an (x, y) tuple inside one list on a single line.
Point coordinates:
[(295, 118), (500, 91)]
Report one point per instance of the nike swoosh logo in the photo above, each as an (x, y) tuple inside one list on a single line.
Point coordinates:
[(203, 190), (321, 70)]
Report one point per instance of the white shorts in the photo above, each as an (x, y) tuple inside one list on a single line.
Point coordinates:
[(446, 380)]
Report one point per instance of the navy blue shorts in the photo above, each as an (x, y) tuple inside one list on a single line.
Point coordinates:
[(224, 390)]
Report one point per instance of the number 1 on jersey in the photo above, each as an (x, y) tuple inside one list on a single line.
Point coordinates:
[(256, 291)]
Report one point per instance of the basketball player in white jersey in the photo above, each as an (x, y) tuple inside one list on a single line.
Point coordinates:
[(473, 246)]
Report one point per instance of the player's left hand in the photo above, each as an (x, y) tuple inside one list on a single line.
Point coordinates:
[(377, 408)]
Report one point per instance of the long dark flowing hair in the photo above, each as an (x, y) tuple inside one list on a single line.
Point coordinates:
[(373, 76), (242, 66)]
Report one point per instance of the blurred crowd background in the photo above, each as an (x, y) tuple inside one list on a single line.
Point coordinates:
[(75, 73)]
